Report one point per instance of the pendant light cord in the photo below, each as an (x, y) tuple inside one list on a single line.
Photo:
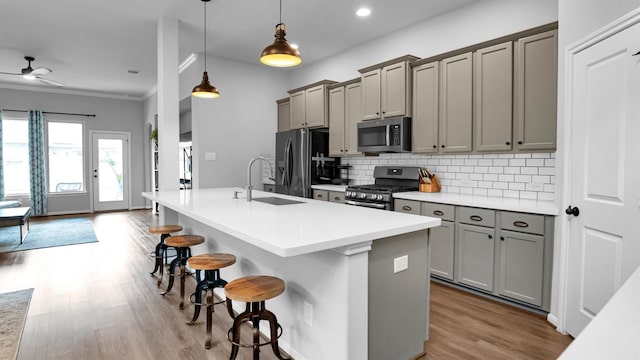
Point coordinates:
[(205, 35), (280, 11)]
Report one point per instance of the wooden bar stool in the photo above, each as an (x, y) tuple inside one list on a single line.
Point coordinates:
[(211, 265), (254, 290), (182, 244), (165, 231)]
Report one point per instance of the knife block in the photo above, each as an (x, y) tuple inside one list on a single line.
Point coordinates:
[(433, 187)]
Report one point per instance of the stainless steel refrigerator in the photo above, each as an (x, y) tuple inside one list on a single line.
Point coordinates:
[(302, 160)]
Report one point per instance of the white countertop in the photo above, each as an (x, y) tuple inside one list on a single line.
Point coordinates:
[(489, 202), (613, 333), (330, 187), (288, 230)]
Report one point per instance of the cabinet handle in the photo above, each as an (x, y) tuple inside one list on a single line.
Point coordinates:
[(502, 238), (435, 146), (377, 113), (384, 112), (438, 212), (521, 224), (475, 218), (337, 198), (406, 208), (508, 143), (320, 196), (519, 142), (490, 236), (443, 146)]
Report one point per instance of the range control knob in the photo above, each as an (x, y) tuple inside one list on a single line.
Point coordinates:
[(380, 196), (362, 195)]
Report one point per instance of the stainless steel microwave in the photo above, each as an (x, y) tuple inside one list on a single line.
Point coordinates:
[(385, 135)]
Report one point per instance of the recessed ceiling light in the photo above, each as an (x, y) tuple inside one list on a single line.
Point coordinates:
[(362, 12)]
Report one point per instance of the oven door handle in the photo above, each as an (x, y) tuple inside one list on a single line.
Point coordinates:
[(359, 203)]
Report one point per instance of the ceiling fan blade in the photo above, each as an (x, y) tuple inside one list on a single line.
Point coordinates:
[(50, 82), (6, 73), (40, 71)]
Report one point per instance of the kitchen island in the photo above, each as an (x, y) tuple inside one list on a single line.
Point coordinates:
[(346, 296)]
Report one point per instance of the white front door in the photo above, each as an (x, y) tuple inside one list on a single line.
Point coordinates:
[(110, 171), (604, 171)]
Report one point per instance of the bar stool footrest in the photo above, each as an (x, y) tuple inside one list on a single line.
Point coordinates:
[(230, 334)]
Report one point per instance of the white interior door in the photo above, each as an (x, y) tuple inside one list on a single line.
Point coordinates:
[(604, 181), (110, 171)]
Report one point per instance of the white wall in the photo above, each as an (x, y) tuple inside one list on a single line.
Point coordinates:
[(111, 115), (478, 22), (237, 126)]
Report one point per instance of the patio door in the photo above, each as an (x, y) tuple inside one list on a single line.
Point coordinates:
[(110, 170)]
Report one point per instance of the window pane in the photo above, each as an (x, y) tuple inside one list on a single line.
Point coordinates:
[(15, 156), (65, 157)]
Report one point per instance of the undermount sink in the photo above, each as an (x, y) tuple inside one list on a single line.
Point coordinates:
[(277, 201)]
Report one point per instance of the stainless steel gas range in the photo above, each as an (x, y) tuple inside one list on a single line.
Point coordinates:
[(388, 180)]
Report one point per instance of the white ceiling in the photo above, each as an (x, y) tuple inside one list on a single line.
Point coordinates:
[(90, 45)]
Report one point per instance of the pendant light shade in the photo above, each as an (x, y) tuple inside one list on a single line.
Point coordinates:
[(205, 89), (280, 53)]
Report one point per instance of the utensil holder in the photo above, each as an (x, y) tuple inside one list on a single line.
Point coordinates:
[(433, 187)]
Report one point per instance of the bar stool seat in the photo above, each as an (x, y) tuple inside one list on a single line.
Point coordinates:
[(254, 290), (164, 231), (211, 265), (182, 244)]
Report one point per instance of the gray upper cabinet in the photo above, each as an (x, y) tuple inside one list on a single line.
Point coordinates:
[(309, 106), (386, 89), (345, 111), (336, 121), (296, 107), (493, 82), (536, 91), (456, 103), (353, 115), (426, 89), (284, 115)]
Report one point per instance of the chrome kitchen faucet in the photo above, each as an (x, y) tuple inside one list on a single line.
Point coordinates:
[(249, 187)]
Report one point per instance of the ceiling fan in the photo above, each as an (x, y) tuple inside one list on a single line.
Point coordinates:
[(30, 73)]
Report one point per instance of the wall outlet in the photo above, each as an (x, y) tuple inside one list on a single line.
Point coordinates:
[(210, 156), (308, 313), (400, 264)]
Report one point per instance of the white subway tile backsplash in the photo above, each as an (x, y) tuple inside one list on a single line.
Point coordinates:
[(535, 162), (526, 176)]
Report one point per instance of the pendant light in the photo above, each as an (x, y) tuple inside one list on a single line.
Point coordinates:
[(280, 53), (205, 89)]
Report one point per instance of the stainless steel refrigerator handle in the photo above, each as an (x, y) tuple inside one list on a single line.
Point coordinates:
[(388, 128), (285, 173), (290, 164), (304, 157)]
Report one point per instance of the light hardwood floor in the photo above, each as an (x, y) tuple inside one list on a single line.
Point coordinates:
[(98, 301)]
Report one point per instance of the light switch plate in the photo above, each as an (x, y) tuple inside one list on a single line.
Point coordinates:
[(308, 313), (210, 156), (400, 264)]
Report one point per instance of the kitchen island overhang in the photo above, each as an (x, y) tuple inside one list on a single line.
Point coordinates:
[(327, 254)]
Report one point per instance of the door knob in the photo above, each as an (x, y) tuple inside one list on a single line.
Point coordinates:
[(572, 211)]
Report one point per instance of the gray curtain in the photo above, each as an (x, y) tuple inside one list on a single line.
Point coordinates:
[(37, 164), (1, 162)]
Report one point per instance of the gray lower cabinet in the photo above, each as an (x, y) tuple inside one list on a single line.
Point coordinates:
[(476, 256), (441, 246), (522, 257), (441, 240), (336, 196), (269, 187), (502, 253), (320, 194)]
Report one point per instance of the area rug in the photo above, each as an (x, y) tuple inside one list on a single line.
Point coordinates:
[(13, 314), (60, 232)]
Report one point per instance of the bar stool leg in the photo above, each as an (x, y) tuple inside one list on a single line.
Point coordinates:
[(172, 269), (210, 310), (183, 269), (237, 322), (273, 321)]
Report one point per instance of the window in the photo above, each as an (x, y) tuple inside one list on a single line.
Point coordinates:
[(65, 162)]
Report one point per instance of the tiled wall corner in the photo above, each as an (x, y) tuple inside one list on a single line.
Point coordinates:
[(524, 176)]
